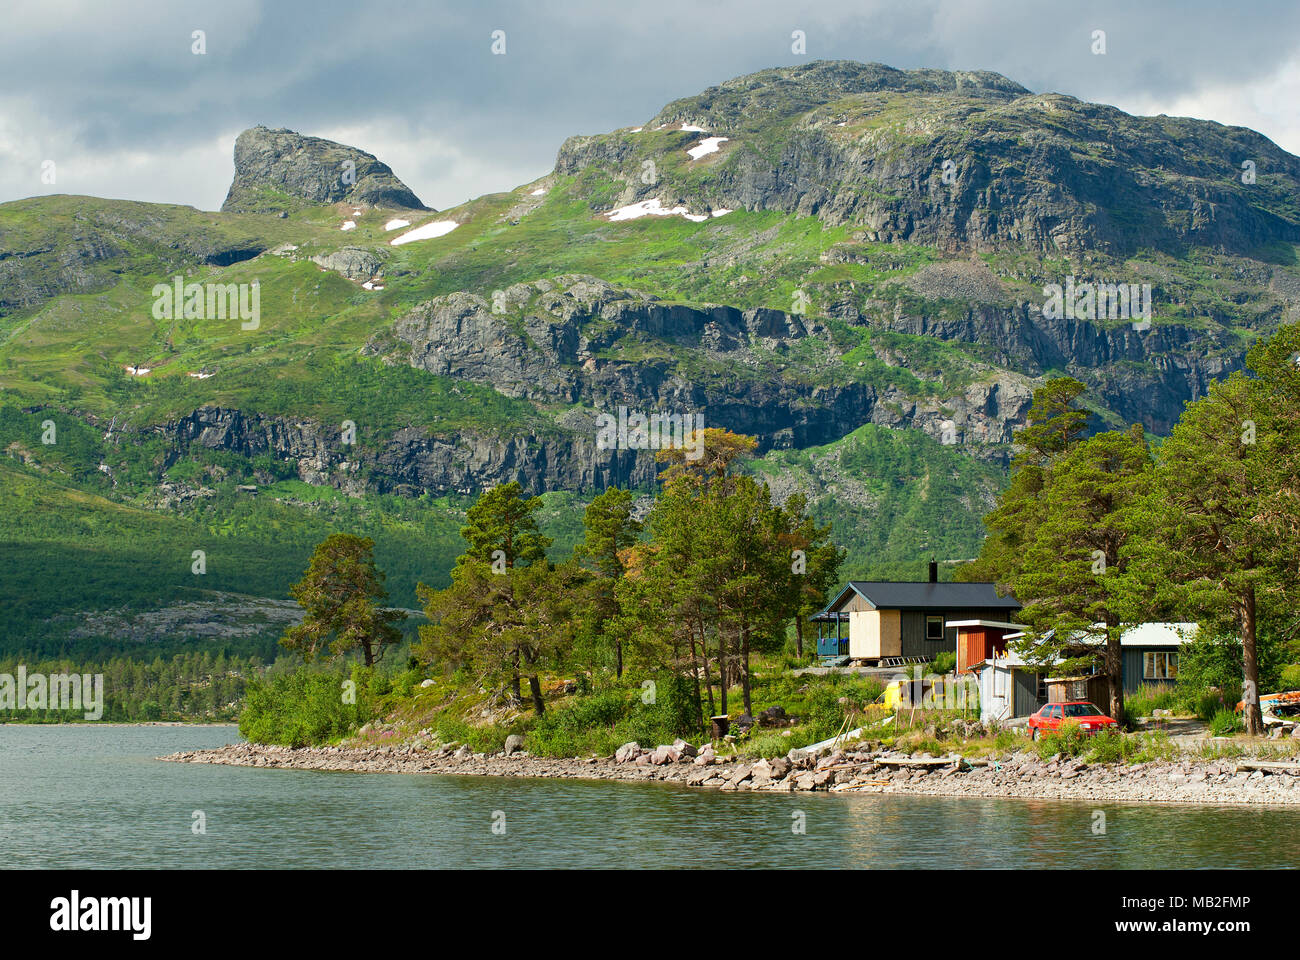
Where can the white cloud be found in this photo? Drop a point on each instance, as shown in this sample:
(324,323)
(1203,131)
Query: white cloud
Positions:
(113,95)
(197,174)
(443,174)
(1265,105)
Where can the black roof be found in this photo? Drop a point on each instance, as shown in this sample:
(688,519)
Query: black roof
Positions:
(894,595)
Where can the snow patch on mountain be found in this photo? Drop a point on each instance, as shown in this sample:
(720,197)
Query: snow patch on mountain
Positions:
(427,231)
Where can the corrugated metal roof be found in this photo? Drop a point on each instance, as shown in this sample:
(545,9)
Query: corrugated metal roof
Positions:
(1138,635)
(1158,635)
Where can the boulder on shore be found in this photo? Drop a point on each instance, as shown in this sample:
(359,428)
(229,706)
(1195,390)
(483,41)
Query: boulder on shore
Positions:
(628,752)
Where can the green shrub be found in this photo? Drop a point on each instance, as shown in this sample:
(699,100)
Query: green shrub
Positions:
(1290,677)
(1005,740)
(588,725)
(944,662)
(489,739)
(304,708)
(1150,697)
(1225,723)
(1154,746)
(1068,740)
(600,723)
(1111,746)
(824,714)
(1211,702)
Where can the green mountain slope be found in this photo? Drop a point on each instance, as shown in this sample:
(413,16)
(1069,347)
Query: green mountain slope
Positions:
(845,260)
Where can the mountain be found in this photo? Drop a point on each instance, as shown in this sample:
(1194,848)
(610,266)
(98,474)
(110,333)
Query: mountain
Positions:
(865,145)
(846,260)
(278,170)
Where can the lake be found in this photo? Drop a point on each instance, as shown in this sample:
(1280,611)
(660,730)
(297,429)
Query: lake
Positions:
(90,796)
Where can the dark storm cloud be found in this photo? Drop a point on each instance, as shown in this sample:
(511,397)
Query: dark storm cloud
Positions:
(116,95)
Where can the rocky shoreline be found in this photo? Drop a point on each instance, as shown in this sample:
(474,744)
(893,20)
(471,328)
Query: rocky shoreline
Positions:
(1018,775)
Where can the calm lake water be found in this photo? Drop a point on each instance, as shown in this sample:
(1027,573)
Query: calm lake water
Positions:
(94,796)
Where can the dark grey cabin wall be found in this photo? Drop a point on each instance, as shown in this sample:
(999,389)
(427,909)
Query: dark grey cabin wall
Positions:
(1132,659)
(911,628)
(1134,667)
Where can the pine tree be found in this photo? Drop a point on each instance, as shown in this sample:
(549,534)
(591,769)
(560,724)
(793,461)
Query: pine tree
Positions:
(1222,467)
(609,530)
(1074,578)
(501,528)
(342,595)
(1053,427)
(501,531)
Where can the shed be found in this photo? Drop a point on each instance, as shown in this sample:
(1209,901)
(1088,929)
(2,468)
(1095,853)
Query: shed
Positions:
(979,640)
(1009,688)
(1092,687)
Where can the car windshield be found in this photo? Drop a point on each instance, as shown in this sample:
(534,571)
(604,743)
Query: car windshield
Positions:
(1081,710)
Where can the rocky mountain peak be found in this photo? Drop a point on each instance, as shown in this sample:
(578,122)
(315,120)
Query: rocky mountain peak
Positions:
(757,99)
(960,160)
(279,170)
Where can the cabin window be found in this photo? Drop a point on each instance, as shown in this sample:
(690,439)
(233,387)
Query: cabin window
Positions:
(1160,665)
(934,628)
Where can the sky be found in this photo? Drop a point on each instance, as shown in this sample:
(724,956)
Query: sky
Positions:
(111,99)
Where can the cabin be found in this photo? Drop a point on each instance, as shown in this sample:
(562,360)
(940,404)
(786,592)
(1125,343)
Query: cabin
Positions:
(1151,652)
(1149,655)
(890,623)
(1010,687)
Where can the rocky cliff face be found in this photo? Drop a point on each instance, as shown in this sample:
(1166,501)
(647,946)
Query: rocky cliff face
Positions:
(778,375)
(581,340)
(411,461)
(51,246)
(274,168)
(1142,376)
(956,160)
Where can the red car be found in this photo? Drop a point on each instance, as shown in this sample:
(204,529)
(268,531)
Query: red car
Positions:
(1051,716)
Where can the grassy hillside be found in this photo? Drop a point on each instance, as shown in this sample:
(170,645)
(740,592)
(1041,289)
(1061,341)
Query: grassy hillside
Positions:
(824,199)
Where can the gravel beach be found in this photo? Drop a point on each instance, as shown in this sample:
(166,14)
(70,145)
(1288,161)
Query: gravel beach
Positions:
(1022,775)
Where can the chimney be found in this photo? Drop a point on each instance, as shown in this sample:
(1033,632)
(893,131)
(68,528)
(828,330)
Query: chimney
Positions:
(934,571)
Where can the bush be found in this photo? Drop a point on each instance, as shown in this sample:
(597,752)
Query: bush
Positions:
(824,716)
(1068,740)
(1290,677)
(1215,663)
(600,723)
(944,662)
(1152,696)
(304,708)
(1154,746)
(1225,723)
(1211,702)
(489,739)
(584,726)
(1111,746)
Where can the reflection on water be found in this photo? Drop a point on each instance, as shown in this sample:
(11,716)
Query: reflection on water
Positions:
(93,796)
